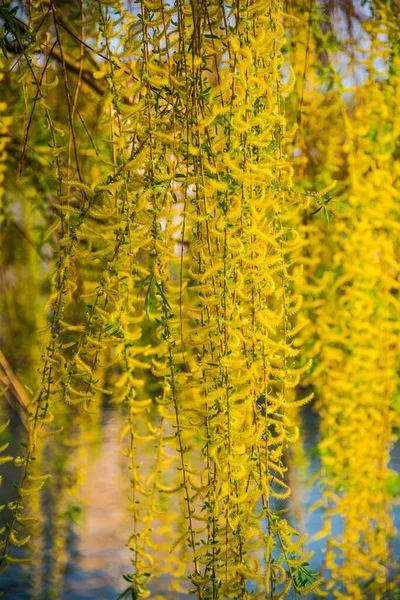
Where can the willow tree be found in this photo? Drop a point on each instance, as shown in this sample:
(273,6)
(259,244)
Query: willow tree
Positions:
(151,150)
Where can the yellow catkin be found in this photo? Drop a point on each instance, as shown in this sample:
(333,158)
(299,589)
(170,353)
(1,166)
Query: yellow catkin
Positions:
(350,289)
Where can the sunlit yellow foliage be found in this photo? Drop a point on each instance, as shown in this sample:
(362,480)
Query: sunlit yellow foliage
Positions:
(178,159)
(351,286)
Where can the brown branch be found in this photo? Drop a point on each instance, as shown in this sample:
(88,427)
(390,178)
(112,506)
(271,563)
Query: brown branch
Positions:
(87,76)
(67,95)
(18,399)
(38,94)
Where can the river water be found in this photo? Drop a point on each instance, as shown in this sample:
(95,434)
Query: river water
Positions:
(91,549)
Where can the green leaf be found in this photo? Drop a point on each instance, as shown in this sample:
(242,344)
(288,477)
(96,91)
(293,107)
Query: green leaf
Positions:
(125,594)
(161,293)
(316,211)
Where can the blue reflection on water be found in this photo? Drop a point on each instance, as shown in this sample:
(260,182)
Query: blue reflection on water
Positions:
(94,571)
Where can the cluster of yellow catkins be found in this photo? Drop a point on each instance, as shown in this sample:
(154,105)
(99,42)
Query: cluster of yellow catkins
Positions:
(350,286)
(193,288)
